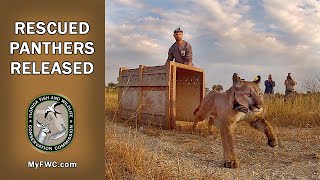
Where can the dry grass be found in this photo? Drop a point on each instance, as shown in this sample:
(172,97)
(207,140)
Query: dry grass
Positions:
(111,104)
(128,157)
(300,111)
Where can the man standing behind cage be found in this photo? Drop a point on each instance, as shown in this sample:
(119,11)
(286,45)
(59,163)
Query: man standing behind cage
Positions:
(269,84)
(181,50)
(289,83)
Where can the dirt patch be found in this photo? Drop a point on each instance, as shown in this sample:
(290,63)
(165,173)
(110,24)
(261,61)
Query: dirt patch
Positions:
(187,155)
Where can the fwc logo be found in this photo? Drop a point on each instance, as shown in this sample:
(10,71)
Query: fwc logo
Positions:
(50,122)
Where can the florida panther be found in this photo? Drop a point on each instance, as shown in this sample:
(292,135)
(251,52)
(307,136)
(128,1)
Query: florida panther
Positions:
(243,101)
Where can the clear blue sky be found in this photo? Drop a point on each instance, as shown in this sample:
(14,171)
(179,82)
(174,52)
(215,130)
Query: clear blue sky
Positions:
(249,37)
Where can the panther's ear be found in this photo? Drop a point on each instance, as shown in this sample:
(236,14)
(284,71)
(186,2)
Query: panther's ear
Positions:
(237,82)
(257,80)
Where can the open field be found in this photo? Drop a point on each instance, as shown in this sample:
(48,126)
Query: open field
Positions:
(145,152)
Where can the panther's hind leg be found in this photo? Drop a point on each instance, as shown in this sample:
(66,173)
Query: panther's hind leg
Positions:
(211,123)
(198,116)
(264,126)
(196,120)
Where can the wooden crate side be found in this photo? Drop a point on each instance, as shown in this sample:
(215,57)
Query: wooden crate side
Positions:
(129,102)
(202,87)
(173,97)
(139,111)
(154,100)
(168,96)
(120,92)
(155,69)
(128,114)
(153,109)
(127,72)
(151,76)
(153,119)
(154,76)
(129,77)
(186,67)
(154,79)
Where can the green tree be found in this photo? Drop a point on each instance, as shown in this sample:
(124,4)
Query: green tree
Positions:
(112,85)
(217,87)
(207,90)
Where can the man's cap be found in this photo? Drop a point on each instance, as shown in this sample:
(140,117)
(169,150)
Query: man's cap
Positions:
(178,29)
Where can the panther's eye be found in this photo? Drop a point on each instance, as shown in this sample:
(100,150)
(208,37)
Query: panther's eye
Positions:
(260,94)
(248,94)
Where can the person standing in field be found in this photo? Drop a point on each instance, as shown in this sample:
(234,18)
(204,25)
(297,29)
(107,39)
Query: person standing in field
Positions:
(181,50)
(289,83)
(269,84)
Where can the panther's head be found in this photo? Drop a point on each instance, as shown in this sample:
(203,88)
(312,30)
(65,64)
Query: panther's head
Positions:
(248,93)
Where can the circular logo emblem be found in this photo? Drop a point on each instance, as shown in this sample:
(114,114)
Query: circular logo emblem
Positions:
(50,123)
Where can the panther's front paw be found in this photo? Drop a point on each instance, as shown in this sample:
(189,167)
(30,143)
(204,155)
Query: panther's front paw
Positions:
(231,164)
(273,142)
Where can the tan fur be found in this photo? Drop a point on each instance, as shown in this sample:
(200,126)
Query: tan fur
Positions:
(220,108)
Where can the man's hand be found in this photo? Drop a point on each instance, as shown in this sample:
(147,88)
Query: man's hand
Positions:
(188,63)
